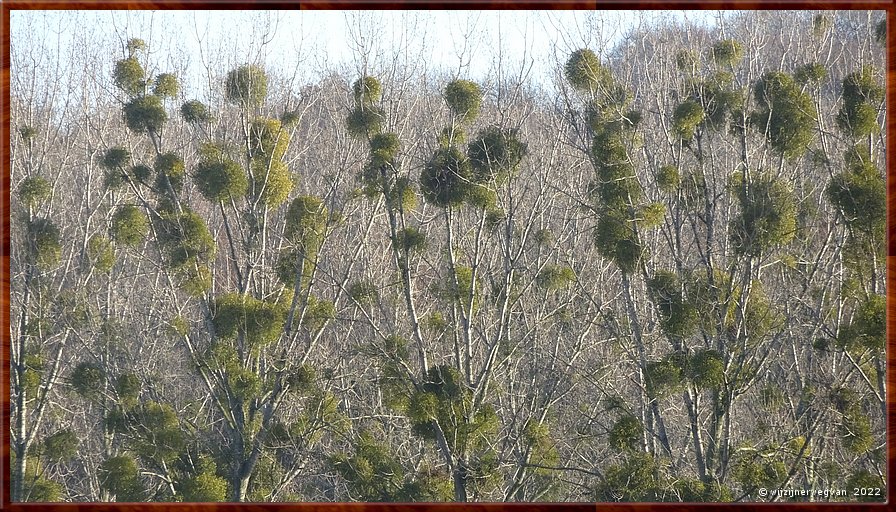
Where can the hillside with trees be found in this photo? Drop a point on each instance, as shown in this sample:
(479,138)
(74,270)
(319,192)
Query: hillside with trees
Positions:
(659,278)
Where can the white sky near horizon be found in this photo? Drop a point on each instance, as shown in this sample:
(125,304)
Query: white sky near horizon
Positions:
(308,44)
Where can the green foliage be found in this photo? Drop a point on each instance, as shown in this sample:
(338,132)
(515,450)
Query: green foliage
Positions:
(135,45)
(584,71)
(221,354)
(141,172)
(368,90)
(859,193)
(375,176)
(185,239)
(691,490)
(664,377)
(767,217)
(461,290)
(384,148)
(60,446)
(727,53)
(428,485)
(187,246)
(617,183)
(115,158)
(863,479)
(145,114)
(495,154)
(219,181)
(268,140)
(867,329)
(706,369)
(290,119)
(166,86)
(464,98)
(196,281)
(435,322)
(244,384)
(543,237)
(410,240)
(446,400)
(170,167)
(686,60)
(371,471)
(292,264)
(180,326)
(113,180)
(812,73)
(761,316)
(495,217)
(322,410)
(33,190)
(267,475)
(422,411)
(555,277)
(396,346)
(259,321)
(756,470)
(862,96)
(37,488)
(119,476)
(205,487)
(128,387)
(651,215)
(129,76)
(317,313)
(719,98)
(445,177)
(633,480)
(88,379)
(195,111)
(157,432)
(247,86)
(668,178)
(616,240)
(678,317)
(821,23)
(880,32)
(538,438)
(845,400)
(100,253)
(27,133)
(693,190)
(302,378)
(687,116)
(480,196)
(365,121)
(625,435)
(72,307)
(401,195)
(374,474)
(306,224)
(397,388)
(786,114)
(34,365)
(271,184)
(44,243)
(452,136)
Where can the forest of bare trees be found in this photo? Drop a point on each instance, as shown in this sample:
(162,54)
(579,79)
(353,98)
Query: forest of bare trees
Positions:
(659,277)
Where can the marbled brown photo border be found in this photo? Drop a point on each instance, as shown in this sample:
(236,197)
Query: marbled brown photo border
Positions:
(7,5)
